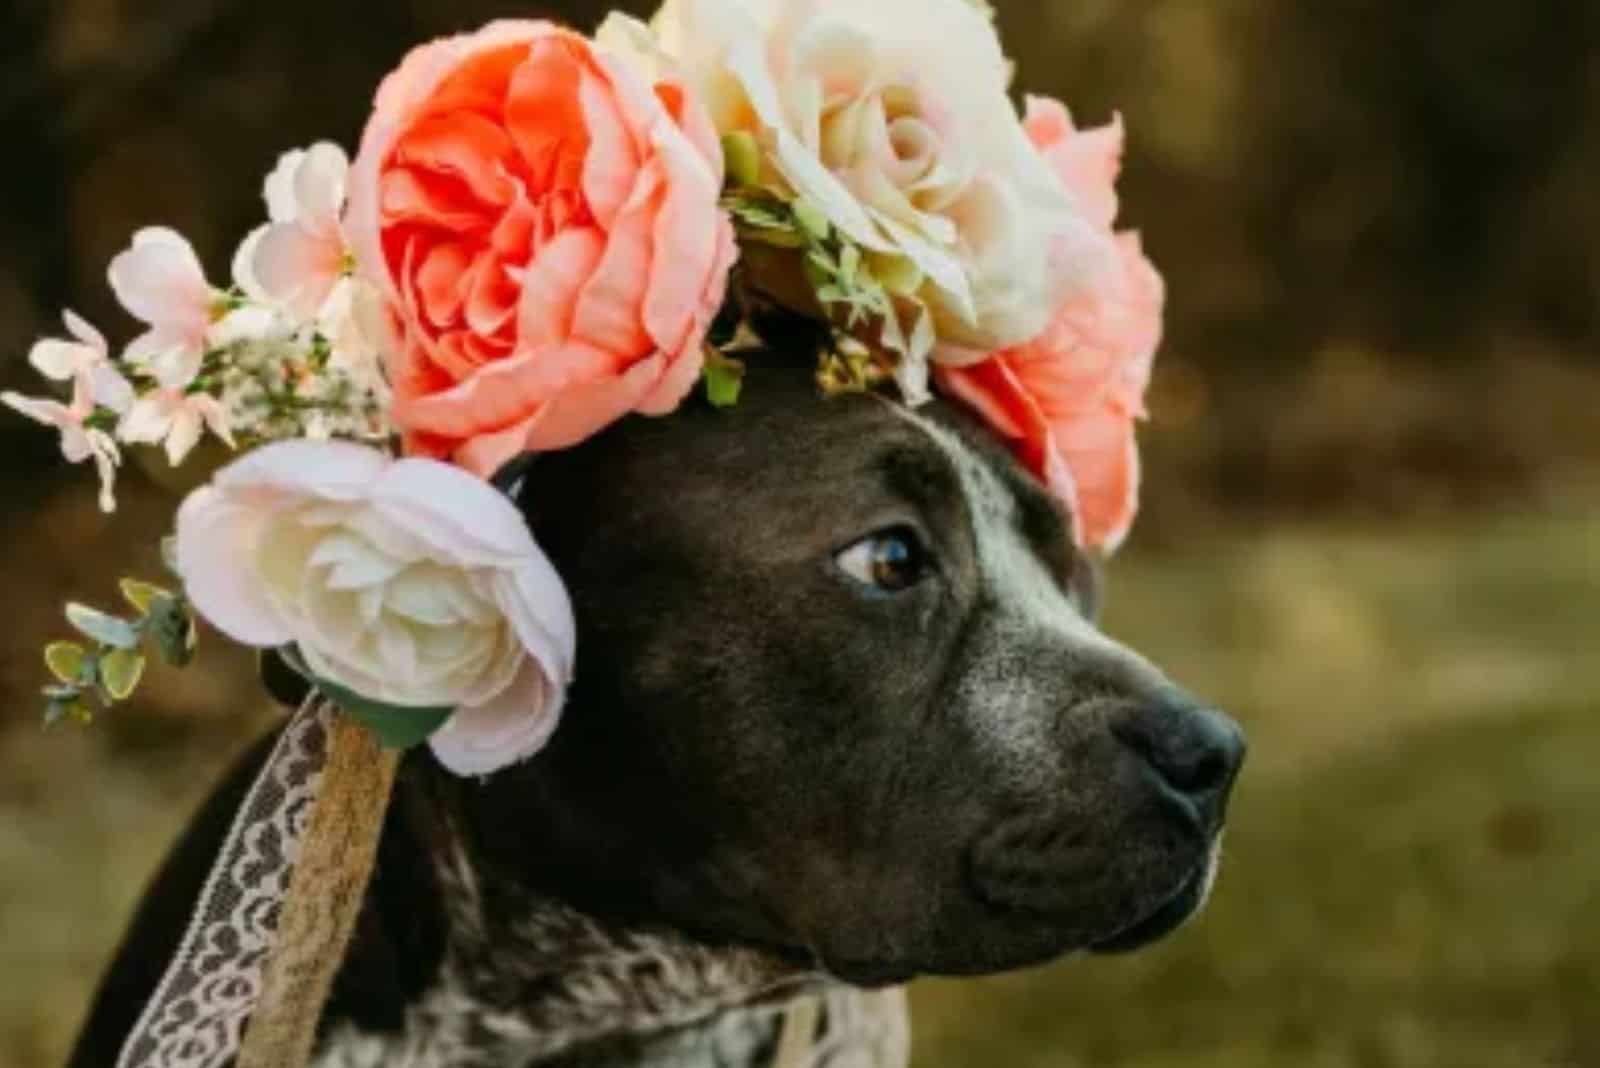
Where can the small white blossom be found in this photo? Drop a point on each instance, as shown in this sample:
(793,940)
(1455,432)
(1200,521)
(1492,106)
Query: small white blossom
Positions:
(298,259)
(175,419)
(79,441)
(85,358)
(159,280)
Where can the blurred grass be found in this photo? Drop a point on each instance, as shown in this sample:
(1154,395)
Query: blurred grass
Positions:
(1413,876)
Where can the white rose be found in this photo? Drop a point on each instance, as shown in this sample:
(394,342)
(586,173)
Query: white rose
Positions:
(893,118)
(410,582)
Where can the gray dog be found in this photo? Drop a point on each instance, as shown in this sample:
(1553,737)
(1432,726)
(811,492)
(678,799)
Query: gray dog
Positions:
(841,719)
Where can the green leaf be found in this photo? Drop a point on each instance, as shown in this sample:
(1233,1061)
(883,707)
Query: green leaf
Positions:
(724,379)
(774,237)
(742,157)
(61,708)
(120,672)
(898,275)
(811,219)
(65,660)
(107,630)
(849,264)
(397,726)
(171,627)
(140,594)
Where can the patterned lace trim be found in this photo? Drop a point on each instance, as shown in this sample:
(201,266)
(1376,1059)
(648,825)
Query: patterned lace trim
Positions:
(198,1013)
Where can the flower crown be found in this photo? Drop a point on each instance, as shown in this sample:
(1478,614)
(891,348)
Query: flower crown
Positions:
(541,234)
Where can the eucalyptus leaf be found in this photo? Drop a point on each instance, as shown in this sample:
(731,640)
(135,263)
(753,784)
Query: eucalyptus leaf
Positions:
(107,630)
(171,628)
(120,672)
(61,708)
(141,594)
(65,660)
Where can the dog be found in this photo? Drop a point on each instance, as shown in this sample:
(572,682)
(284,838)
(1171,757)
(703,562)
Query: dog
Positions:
(842,718)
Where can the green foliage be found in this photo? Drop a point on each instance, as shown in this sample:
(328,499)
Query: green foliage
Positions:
(108,666)
(743,159)
(171,626)
(763,218)
(397,726)
(856,292)
(101,628)
(140,594)
(120,672)
(65,660)
(724,379)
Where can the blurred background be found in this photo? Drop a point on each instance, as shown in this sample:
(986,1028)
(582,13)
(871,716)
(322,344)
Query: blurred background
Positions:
(1371,530)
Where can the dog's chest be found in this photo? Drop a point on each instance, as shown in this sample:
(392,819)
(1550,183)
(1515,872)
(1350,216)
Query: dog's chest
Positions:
(840,1028)
(530,983)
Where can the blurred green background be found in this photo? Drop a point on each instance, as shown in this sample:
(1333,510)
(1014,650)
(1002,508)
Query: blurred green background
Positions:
(1372,523)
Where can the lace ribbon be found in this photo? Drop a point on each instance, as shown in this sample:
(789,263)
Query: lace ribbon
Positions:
(198,1013)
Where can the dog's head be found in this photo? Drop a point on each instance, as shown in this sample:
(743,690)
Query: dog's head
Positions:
(840,695)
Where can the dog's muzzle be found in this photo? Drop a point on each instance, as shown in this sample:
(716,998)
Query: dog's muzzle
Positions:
(1147,863)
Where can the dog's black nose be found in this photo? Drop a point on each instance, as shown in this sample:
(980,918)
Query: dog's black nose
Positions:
(1196,751)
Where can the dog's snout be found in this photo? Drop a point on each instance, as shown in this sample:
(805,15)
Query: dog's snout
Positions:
(1196,751)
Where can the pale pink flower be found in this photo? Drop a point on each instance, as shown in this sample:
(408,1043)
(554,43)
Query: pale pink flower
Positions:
(159,280)
(175,419)
(408,582)
(78,441)
(298,259)
(1068,400)
(86,358)
(894,119)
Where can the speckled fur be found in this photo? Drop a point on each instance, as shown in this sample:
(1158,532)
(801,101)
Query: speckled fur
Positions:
(529,981)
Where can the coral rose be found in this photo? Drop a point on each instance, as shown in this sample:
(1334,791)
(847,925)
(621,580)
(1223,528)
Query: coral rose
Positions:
(544,226)
(1070,398)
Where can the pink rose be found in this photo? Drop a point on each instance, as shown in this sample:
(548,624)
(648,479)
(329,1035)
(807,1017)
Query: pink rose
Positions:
(1068,400)
(543,225)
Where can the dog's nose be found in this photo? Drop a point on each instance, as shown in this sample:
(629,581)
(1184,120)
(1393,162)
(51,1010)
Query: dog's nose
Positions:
(1196,751)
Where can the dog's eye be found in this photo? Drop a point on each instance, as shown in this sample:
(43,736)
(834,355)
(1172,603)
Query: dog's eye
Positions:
(890,560)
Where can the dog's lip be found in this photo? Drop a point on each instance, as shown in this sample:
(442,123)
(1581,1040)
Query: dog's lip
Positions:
(1167,917)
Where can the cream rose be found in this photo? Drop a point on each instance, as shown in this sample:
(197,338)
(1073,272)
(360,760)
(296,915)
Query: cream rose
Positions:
(893,118)
(411,583)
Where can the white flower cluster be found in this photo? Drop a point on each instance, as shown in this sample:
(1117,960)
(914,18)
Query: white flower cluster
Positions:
(289,351)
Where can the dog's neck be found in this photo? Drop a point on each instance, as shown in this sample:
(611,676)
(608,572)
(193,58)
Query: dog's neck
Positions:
(557,979)
(526,979)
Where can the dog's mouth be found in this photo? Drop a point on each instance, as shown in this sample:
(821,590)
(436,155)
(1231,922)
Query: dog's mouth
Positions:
(1186,901)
